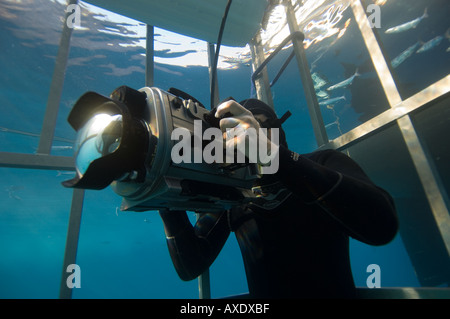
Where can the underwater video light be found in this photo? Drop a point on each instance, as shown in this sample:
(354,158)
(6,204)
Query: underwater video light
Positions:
(125,141)
(112,139)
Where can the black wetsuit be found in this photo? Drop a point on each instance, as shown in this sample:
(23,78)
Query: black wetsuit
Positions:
(300,248)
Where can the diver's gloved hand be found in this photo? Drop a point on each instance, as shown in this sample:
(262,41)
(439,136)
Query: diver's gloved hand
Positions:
(236,128)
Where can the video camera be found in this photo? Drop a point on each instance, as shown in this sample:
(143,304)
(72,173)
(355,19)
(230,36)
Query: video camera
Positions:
(125,141)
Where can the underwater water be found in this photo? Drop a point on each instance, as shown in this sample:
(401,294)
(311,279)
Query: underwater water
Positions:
(124,254)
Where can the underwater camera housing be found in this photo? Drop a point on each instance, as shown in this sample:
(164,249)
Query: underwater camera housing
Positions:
(125,141)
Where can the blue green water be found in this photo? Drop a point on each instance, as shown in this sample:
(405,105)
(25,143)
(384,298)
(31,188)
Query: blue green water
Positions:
(124,255)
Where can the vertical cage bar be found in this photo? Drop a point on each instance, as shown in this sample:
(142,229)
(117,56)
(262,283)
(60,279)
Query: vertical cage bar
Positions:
(262,84)
(73,232)
(305,75)
(56,87)
(204,284)
(429,181)
(149,56)
(376,54)
(211,53)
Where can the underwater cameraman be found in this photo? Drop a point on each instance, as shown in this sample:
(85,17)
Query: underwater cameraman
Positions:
(297,246)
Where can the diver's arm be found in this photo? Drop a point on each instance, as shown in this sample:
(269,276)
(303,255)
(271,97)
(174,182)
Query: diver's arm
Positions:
(336,183)
(194,248)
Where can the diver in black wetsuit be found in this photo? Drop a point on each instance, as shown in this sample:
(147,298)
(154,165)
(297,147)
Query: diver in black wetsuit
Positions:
(300,246)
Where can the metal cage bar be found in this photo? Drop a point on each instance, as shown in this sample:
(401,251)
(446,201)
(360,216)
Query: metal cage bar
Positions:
(418,153)
(211,52)
(73,234)
(306,79)
(56,87)
(262,85)
(150,56)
